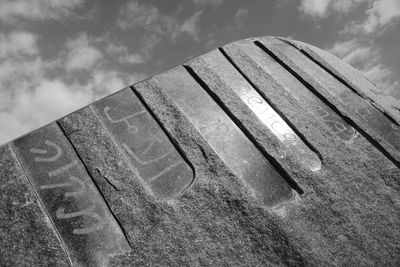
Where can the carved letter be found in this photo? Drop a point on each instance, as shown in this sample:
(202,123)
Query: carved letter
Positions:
(140,161)
(44,151)
(131,128)
(87,212)
(81,190)
(63,169)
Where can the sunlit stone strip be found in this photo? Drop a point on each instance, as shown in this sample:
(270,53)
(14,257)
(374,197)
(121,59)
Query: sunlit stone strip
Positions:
(222,134)
(337,126)
(363,110)
(220,65)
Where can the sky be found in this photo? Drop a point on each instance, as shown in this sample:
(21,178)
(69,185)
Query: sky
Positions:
(57,56)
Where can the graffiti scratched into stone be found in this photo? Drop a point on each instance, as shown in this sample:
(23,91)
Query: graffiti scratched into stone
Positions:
(262,109)
(77,210)
(365,111)
(151,153)
(227,140)
(316,106)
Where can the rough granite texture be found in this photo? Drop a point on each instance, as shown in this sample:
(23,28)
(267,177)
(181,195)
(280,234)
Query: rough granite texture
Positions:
(352,77)
(26,234)
(346,214)
(322,83)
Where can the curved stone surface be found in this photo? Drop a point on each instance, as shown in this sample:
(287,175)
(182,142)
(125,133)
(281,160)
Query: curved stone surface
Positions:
(370,121)
(151,153)
(224,137)
(217,63)
(264,152)
(352,78)
(26,234)
(75,207)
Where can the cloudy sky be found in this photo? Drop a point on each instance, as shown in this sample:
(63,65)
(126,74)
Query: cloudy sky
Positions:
(59,55)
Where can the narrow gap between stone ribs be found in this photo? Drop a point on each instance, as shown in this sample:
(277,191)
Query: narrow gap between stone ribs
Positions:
(337,77)
(277,110)
(171,139)
(329,104)
(43,208)
(238,123)
(95,184)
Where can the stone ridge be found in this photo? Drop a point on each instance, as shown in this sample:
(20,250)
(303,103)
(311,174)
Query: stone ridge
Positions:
(264,152)
(351,78)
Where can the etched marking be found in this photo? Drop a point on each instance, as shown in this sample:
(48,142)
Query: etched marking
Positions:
(149,150)
(233,147)
(266,114)
(63,168)
(52,186)
(317,107)
(131,128)
(44,151)
(86,212)
(144,162)
(90,232)
(368,113)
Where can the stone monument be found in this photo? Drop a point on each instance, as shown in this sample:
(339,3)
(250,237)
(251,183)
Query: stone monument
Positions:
(264,152)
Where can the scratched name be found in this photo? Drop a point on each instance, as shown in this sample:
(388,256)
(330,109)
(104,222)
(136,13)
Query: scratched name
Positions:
(337,126)
(76,208)
(265,113)
(151,154)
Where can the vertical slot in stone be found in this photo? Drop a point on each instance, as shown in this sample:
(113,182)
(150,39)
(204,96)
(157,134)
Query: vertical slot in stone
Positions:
(272,68)
(258,105)
(363,110)
(70,197)
(148,148)
(227,140)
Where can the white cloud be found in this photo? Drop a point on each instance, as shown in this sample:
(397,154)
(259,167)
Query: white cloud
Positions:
(105,82)
(190,26)
(19,63)
(354,53)
(134,15)
(315,8)
(29,98)
(12,10)
(152,27)
(113,48)
(345,6)
(240,16)
(45,103)
(51,99)
(240,13)
(381,14)
(121,52)
(81,55)
(201,3)
(367,59)
(320,9)
(360,50)
(131,59)
(17,43)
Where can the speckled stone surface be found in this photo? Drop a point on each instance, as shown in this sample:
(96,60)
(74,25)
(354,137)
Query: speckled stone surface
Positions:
(330,199)
(26,234)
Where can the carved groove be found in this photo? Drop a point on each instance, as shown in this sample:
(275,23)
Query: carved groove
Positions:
(329,104)
(145,144)
(42,206)
(95,184)
(340,79)
(170,138)
(240,125)
(276,109)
